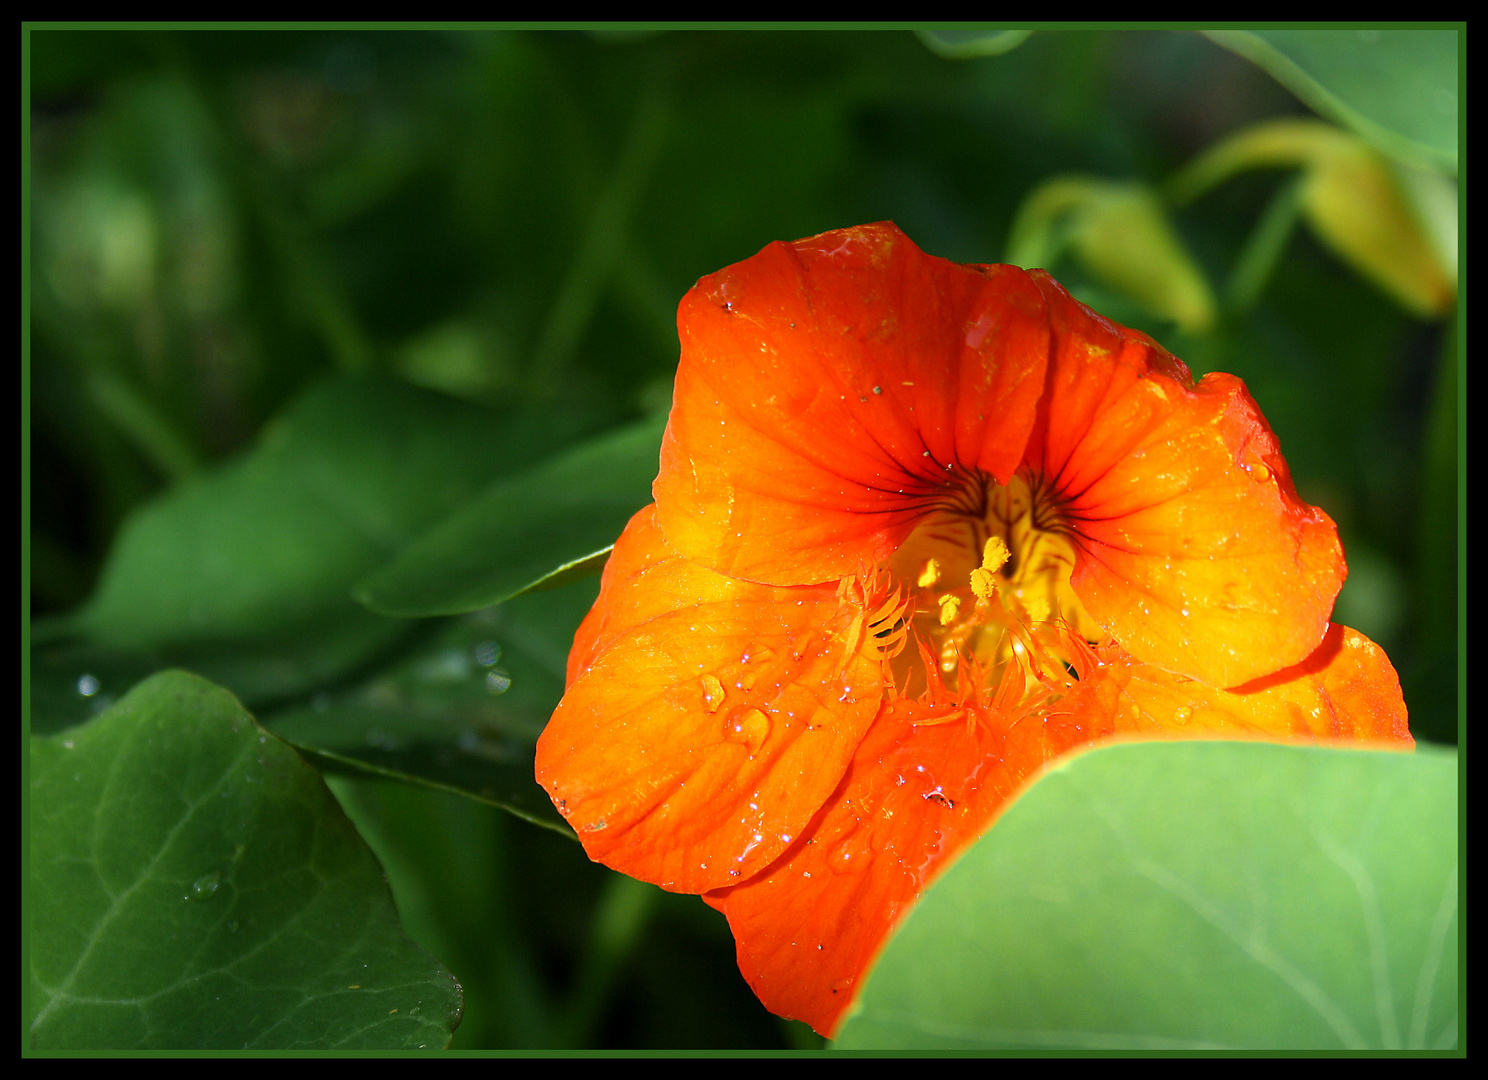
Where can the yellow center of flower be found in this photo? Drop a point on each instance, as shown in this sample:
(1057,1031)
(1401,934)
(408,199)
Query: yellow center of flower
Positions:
(988,573)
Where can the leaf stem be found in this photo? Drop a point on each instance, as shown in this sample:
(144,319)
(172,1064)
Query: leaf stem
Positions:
(1264,247)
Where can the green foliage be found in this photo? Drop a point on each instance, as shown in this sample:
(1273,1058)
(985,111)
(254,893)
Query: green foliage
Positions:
(1191,896)
(461,711)
(539,530)
(342,349)
(245,573)
(1397,88)
(195,886)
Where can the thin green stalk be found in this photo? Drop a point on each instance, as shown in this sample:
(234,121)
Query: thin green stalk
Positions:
(448,865)
(604,240)
(619,921)
(307,280)
(653,304)
(1264,247)
(142,425)
(1432,676)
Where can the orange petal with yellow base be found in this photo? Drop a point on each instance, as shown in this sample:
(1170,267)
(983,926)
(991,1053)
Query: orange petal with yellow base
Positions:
(825,389)
(1346,691)
(1193,548)
(709,717)
(916,795)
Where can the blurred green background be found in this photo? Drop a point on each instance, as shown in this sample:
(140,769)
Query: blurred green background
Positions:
(224,224)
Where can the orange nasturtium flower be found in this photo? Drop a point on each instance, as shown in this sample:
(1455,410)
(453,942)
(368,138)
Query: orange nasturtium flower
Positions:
(919,529)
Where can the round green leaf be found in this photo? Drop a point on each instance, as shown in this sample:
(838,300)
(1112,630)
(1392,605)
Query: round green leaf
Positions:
(1187,896)
(194,885)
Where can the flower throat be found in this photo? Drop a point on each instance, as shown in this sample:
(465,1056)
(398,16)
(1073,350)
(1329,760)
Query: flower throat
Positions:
(988,575)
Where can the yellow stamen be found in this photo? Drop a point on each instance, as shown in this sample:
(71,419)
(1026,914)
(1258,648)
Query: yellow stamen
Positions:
(995,555)
(1001,597)
(949,605)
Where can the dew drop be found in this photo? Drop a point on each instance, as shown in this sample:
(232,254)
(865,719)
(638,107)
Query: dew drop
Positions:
(205,886)
(87,685)
(749,728)
(712,693)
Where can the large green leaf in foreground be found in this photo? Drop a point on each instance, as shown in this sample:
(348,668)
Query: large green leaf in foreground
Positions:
(1191,895)
(196,886)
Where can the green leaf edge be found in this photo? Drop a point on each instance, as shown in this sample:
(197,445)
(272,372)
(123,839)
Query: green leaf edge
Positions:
(1444,753)
(1321,100)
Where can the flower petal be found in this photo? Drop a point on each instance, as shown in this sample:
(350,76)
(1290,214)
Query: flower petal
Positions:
(810,925)
(1345,691)
(917,792)
(707,719)
(1195,551)
(825,389)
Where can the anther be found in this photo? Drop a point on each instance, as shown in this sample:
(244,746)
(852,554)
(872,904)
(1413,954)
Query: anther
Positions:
(995,555)
(930,575)
(949,605)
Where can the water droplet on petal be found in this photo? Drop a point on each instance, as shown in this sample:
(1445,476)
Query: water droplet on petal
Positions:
(712,693)
(750,727)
